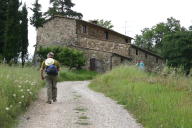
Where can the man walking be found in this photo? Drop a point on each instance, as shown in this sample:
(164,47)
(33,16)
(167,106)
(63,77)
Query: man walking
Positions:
(49,71)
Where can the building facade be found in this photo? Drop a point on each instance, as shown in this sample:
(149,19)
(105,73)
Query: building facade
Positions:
(103,48)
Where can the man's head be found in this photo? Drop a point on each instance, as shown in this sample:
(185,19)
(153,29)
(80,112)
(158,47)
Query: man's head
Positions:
(50,55)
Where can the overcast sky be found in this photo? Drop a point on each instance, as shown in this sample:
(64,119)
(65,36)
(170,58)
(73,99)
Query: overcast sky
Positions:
(128,16)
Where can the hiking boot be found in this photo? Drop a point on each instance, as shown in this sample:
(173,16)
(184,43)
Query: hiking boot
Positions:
(49,102)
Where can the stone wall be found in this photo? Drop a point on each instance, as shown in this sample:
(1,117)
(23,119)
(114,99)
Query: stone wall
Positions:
(151,61)
(105,46)
(57,31)
(103,59)
(97,32)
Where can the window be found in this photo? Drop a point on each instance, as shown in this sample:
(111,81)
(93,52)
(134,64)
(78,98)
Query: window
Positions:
(126,40)
(106,35)
(129,51)
(122,59)
(136,51)
(157,60)
(84,29)
(145,56)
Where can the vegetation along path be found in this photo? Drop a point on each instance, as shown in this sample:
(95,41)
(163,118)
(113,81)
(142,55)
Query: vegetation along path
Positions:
(77,107)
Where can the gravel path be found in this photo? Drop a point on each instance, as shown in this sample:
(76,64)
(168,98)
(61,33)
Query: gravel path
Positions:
(77,107)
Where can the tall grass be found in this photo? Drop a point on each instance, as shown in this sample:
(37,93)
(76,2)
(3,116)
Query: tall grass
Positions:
(156,101)
(18,87)
(76,75)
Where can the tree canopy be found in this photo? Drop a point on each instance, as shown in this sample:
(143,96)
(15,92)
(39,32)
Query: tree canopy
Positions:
(12,30)
(24,34)
(177,49)
(104,23)
(152,38)
(37,19)
(63,8)
(3,10)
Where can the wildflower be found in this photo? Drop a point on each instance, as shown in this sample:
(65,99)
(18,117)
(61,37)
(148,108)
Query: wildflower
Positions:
(20,102)
(14,95)
(7,76)
(28,90)
(33,83)
(16,81)
(19,86)
(22,96)
(21,90)
(11,106)
(30,93)
(7,108)
(27,81)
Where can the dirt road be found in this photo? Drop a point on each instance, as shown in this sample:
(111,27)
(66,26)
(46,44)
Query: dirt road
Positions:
(77,107)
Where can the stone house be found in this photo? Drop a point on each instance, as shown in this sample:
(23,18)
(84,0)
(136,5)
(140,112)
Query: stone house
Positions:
(103,48)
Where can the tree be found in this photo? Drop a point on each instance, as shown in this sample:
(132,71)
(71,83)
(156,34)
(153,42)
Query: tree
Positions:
(152,38)
(190,28)
(11,46)
(145,40)
(24,34)
(63,8)
(177,50)
(37,19)
(3,9)
(107,24)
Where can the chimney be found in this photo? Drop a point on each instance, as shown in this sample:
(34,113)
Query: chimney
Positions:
(94,21)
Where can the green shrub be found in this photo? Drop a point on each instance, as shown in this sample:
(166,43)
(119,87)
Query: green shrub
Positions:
(66,56)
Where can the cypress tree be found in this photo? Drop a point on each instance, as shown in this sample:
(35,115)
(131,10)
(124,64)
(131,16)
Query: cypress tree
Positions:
(37,19)
(24,34)
(12,31)
(3,9)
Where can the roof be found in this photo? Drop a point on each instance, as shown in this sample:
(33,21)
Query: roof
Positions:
(146,51)
(88,23)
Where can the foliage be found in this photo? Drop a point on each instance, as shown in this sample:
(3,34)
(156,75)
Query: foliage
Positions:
(157,101)
(107,24)
(145,40)
(177,50)
(63,8)
(152,38)
(18,88)
(76,75)
(37,19)
(24,34)
(11,46)
(66,56)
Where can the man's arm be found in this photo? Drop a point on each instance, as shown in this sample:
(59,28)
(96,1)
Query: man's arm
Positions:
(42,77)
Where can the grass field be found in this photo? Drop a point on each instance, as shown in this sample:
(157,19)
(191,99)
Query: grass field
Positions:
(76,75)
(18,87)
(156,101)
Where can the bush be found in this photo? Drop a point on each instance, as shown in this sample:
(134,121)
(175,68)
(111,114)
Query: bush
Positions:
(66,56)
